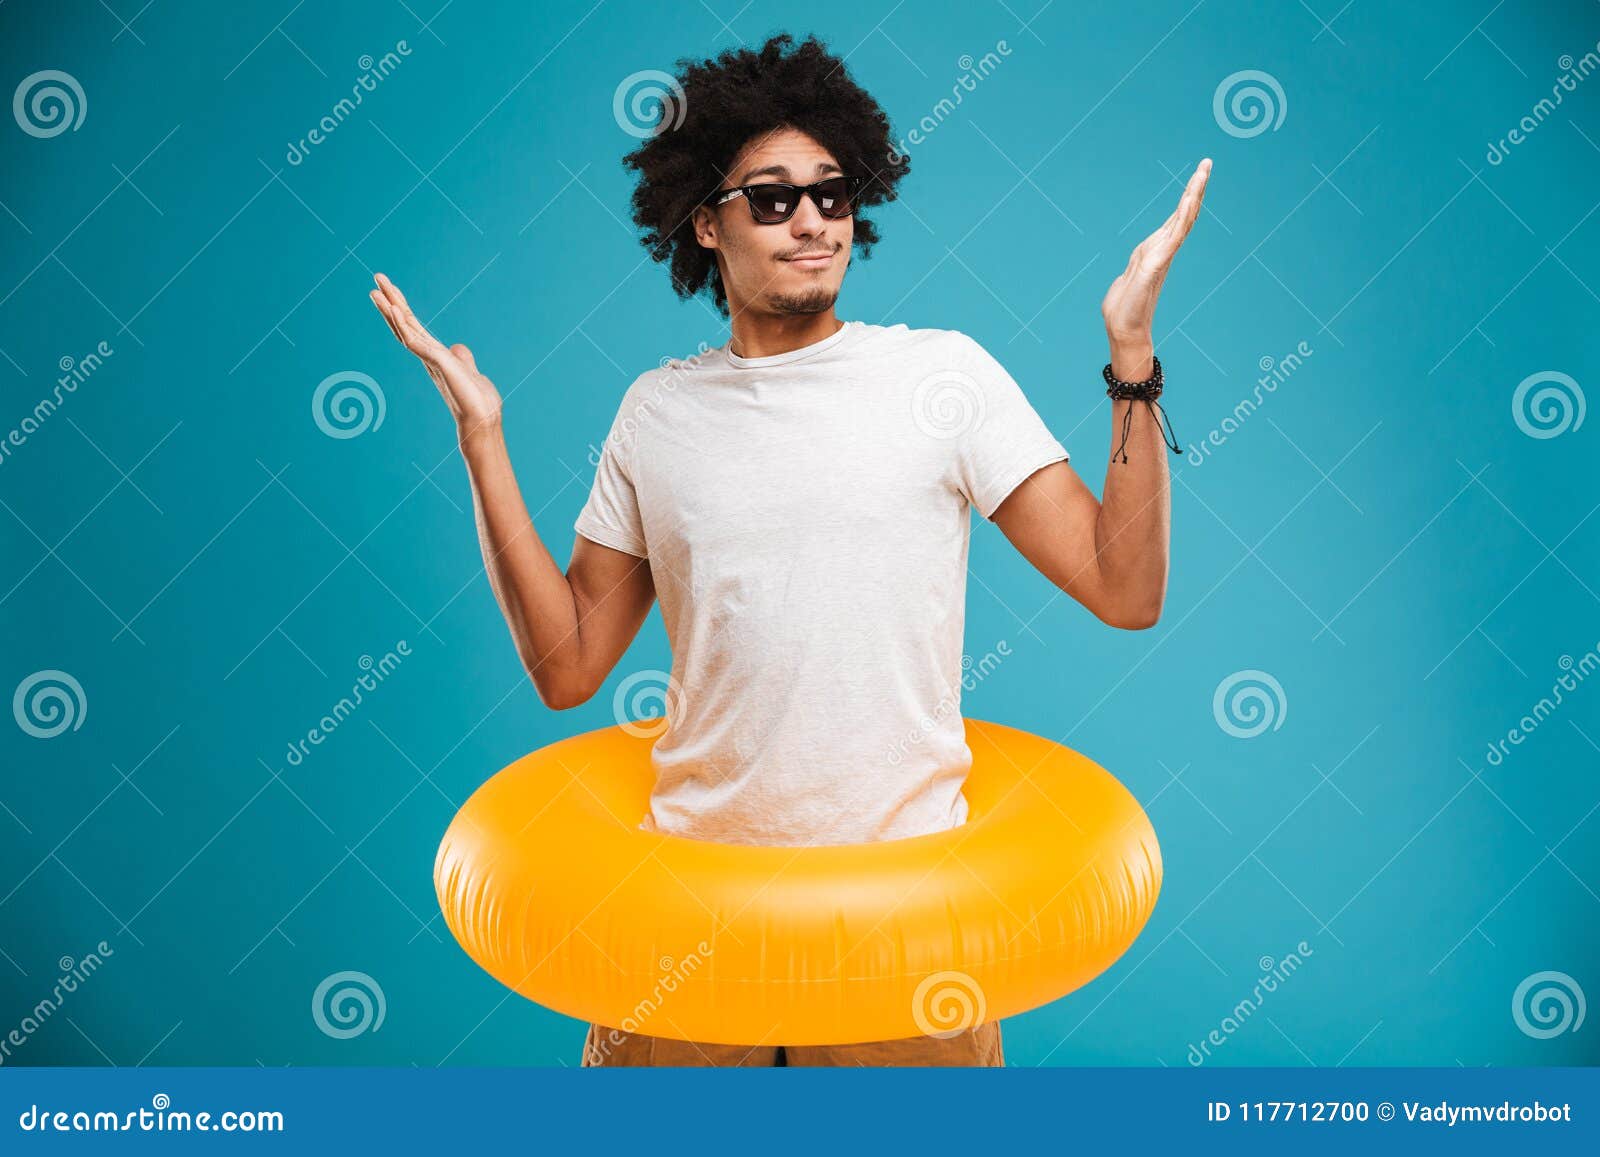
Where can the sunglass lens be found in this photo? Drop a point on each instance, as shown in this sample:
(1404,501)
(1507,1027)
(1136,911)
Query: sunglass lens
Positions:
(833,197)
(771,203)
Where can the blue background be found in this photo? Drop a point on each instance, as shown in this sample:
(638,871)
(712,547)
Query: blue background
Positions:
(1381,536)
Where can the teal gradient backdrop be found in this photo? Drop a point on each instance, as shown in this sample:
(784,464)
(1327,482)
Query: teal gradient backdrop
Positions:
(1382,535)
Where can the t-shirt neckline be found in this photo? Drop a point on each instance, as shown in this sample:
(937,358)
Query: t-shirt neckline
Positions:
(793,355)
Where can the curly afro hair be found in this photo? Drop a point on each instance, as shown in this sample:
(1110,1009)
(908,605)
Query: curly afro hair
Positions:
(722,105)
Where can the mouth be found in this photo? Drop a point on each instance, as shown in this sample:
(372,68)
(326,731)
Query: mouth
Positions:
(811,260)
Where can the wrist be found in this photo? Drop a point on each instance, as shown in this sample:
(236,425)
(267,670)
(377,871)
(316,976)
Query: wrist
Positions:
(1131,358)
(477,433)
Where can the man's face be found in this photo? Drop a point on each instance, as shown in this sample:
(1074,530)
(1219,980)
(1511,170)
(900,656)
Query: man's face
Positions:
(765,268)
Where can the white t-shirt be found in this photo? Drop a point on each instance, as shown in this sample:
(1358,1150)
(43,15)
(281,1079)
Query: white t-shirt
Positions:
(805,517)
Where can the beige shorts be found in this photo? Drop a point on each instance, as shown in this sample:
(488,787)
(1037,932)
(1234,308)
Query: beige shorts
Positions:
(978,1047)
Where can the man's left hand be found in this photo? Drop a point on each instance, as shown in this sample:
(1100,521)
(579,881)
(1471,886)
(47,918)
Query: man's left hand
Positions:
(1130,304)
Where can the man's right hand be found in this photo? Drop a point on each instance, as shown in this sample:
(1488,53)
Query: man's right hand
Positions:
(472,398)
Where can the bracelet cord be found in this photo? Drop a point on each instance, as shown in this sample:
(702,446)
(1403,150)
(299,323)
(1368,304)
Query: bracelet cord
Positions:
(1147,392)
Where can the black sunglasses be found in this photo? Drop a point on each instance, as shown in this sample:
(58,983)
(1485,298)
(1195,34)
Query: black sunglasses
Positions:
(775,202)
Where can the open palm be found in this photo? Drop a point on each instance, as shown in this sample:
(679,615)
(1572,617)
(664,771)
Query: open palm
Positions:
(1130,304)
(472,398)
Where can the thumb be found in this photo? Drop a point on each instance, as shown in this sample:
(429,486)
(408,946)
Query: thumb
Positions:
(465,355)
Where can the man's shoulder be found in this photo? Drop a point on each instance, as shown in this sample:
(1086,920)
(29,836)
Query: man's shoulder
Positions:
(668,373)
(645,397)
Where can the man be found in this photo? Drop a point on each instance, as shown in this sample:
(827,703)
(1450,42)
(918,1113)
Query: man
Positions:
(798,499)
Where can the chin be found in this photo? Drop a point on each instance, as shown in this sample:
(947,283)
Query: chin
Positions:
(814,299)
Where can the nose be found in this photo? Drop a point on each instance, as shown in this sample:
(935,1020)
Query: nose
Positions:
(808,220)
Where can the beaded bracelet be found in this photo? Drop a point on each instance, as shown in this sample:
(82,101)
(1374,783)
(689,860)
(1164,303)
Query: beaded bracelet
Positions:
(1147,392)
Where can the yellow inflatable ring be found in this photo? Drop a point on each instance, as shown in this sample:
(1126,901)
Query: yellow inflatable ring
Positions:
(548,884)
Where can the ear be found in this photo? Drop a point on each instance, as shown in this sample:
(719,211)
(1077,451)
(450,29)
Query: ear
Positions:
(705,228)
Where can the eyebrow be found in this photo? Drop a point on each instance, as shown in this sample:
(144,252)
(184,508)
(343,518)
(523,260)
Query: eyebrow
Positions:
(782,171)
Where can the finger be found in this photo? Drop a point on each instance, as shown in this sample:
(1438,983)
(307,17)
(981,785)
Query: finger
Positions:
(391,290)
(1164,230)
(388,316)
(383,308)
(405,331)
(1205,181)
(1183,214)
(413,333)
(1191,195)
(1171,217)
(1164,243)
(393,301)
(1152,248)
(404,317)
(1196,191)
(1183,218)
(465,355)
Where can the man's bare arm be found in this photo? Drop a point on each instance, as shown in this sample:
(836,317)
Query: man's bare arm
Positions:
(1113,556)
(570,629)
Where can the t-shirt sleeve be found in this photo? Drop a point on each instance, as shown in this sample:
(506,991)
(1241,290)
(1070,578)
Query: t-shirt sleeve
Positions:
(611,515)
(1005,439)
